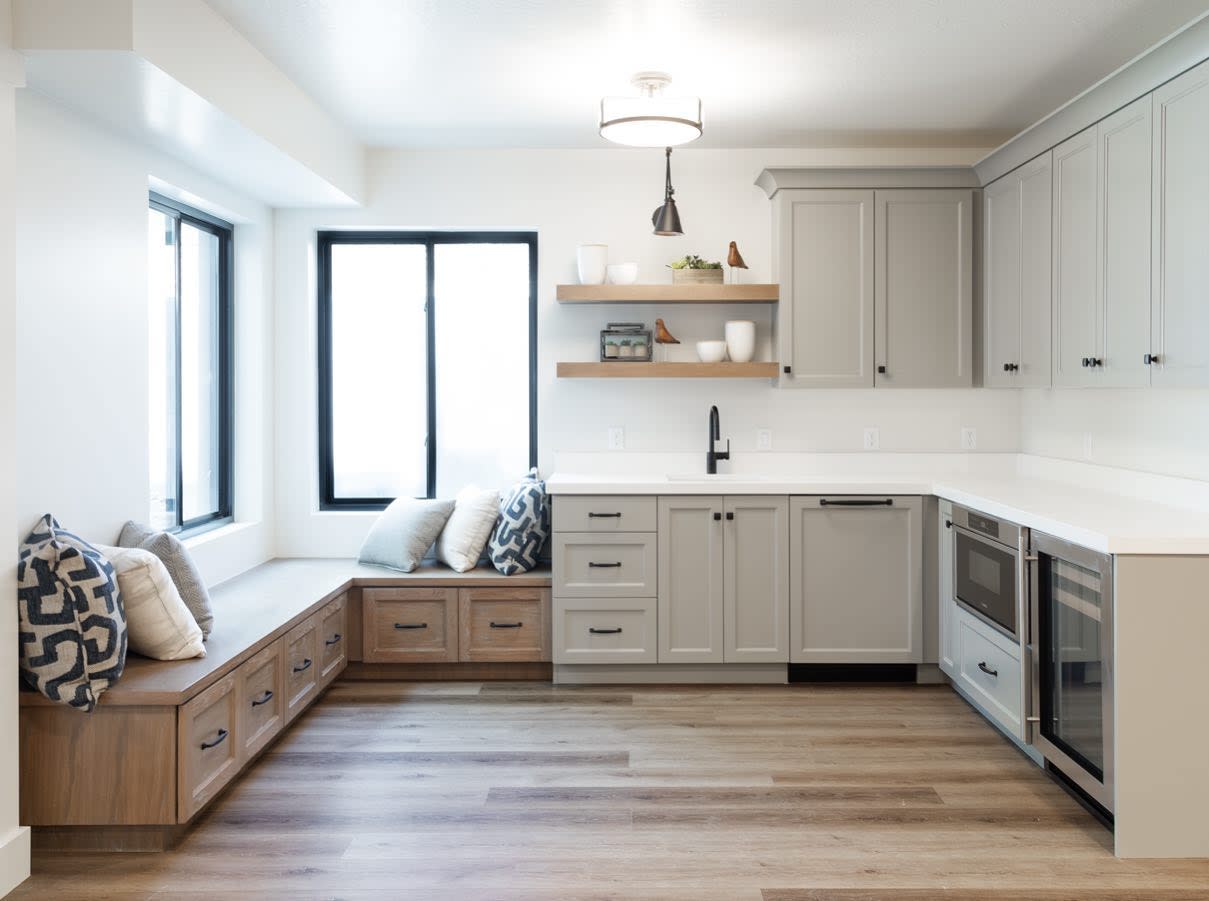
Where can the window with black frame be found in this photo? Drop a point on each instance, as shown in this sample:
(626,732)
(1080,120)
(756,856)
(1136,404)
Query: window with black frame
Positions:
(427,363)
(190,362)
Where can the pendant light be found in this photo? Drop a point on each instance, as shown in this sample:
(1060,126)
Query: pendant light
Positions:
(650,119)
(666,219)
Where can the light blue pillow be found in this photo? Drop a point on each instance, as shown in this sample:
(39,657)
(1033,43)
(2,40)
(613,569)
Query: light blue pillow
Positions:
(404,533)
(523,527)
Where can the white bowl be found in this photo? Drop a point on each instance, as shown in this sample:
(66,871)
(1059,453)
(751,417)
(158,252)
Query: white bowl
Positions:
(711,351)
(622,273)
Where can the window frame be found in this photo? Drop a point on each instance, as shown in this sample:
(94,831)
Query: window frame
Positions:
(225,233)
(429,239)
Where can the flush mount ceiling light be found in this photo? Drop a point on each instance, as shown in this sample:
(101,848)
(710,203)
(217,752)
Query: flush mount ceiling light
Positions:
(650,119)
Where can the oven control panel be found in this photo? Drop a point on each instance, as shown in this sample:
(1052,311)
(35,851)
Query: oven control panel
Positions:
(984,524)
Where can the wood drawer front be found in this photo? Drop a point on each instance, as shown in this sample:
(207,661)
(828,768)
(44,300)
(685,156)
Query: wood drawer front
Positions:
(1000,695)
(333,640)
(605,631)
(604,566)
(410,625)
(301,666)
(604,514)
(208,746)
(261,698)
(504,624)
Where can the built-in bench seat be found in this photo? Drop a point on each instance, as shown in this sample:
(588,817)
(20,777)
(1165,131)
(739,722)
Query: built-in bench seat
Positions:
(170,735)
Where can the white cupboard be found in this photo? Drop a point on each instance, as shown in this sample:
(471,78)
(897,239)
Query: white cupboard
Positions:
(1074,261)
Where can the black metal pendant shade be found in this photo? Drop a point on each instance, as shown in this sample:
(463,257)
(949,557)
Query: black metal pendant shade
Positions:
(666,218)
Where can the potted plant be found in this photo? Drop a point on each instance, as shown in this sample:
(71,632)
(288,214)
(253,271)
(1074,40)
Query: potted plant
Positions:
(692,270)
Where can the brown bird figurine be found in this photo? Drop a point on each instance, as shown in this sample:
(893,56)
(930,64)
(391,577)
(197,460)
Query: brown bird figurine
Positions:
(662,335)
(734,259)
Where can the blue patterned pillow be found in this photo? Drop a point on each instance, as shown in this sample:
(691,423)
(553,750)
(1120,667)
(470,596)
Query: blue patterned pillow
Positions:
(72,624)
(523,527)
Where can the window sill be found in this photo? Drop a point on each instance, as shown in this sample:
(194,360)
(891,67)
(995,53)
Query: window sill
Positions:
(216,533)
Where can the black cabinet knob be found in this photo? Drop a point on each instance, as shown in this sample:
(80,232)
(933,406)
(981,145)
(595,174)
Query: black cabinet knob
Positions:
(1094,362)
(881,370)
(1086,362)
(788,369)
(1150,359)
(717,517)
(730,516)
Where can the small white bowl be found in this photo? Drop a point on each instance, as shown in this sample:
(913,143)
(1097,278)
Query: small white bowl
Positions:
(622,273)
(711,351)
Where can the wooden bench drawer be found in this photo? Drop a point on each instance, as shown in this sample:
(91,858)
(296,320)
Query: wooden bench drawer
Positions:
(410,625)
(208,746)
(604,514)
(603,566)
(261,698)
(333,638)
(301,666)
(612,630)
(504,624)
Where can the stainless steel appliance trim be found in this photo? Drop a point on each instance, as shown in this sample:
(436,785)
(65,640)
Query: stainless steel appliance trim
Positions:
(1009,532)
(1024,626)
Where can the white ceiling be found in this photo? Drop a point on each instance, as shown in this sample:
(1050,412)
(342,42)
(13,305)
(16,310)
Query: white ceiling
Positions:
(771,73)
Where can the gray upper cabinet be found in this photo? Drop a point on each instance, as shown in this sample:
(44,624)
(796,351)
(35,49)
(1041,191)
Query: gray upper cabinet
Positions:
(856,580)
(756,596)
(1180,237)
(690,595)
(923,278)
(824,261)
(1017,213)
(1074,260)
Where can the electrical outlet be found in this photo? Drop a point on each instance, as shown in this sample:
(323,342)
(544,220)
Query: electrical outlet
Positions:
(969,438)
(616,438)
(872,439)
(1087,446)
(764,439)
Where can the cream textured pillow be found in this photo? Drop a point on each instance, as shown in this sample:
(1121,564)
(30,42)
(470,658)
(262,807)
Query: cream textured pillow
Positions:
(461,542)
(158,623)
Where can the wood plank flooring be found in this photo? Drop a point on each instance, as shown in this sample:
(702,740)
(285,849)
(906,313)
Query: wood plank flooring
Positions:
(395,790)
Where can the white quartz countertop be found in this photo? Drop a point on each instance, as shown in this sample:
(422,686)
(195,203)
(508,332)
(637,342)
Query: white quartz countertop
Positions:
(1061,504)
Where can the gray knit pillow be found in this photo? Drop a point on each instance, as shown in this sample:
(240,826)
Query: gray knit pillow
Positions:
(404,532)
(179,563)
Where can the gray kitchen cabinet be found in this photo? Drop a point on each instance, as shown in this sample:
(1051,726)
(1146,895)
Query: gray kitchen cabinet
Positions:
(923,288)
(947,603)
(690,567)
(1074,260)
(1017,215)
(824,261)
(856,579)
(1180,237)
(756,574)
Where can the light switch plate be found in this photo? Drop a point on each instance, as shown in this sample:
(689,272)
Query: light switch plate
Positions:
(763,439)
(617,438)
(872,439)
(969,438)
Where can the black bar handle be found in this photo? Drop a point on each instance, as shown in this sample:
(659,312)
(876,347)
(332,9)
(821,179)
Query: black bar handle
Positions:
(306,665)
(411,625)
(592,564)
(264,698)
(506,625)
(333,640)
(604,631)
(884,502)
(222,736)
(986,669)
(604,516)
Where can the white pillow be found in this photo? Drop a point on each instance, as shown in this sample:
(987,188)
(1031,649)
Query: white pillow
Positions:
(402,535)
(461,543)
(158,623)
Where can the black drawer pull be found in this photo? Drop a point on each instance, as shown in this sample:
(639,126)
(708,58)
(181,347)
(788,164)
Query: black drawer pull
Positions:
(264,698)
(604,516)
(986,669)
(616,631)
(884,502)
(594,565)
(222,736)
(506,625)
(411,625)
(335,639)
(306,665)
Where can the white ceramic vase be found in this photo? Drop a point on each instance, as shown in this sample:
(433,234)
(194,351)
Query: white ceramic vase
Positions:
(593,260)
(741,340)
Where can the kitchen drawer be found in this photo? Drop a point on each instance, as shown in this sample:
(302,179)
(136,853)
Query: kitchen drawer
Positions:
(605,513)
(504,624)
(261,698)
(208,742)
(604,566)
(333,640)
(999,690)
(301,666)
(410,625)
(613,630)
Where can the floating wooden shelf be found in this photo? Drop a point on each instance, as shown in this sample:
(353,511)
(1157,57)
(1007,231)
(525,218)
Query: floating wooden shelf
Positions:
(668,370)
(668,293)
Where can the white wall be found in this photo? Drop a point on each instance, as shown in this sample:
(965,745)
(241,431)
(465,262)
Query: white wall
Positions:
(608,195)
(1162,431)
(82,362)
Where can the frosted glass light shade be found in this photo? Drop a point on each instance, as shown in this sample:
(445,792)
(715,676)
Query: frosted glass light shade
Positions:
(656,121)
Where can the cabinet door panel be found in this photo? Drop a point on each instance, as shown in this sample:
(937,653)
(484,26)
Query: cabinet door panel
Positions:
(947,605)
(1036,276)
(1074,260)
(924,288)
(757,579)
(1180,287)
(690,596)
(1001,271)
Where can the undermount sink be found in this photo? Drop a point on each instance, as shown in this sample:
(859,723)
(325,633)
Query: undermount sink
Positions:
(716,477)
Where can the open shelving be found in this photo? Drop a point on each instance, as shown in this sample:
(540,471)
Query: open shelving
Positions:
(668,293)
(617,370)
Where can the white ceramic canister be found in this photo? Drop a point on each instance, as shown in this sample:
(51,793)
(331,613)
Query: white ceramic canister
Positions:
(593,260)
(740,340)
